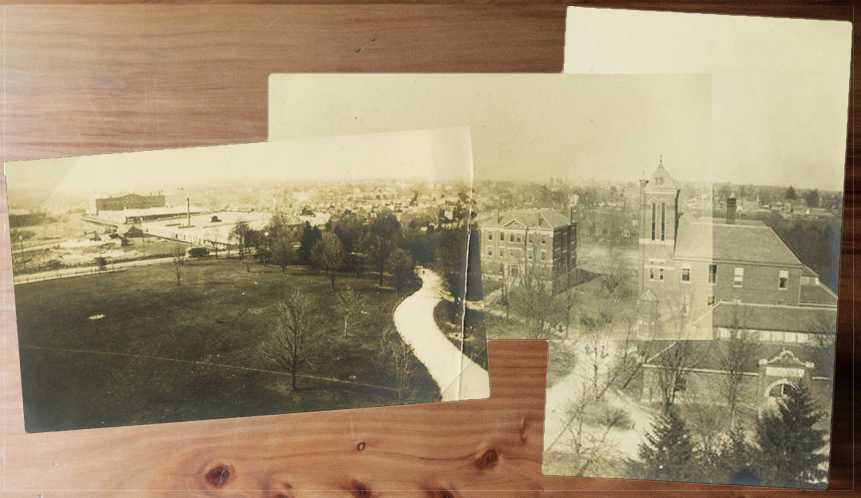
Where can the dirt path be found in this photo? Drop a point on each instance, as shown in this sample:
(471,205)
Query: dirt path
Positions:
(458,377)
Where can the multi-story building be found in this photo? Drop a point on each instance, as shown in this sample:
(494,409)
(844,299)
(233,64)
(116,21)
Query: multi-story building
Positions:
(711,280)
(703,261)
(540,240)
(128,201)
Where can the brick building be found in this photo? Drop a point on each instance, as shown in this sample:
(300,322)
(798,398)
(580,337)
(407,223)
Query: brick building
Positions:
(128,201)
(536,239)
(707,280)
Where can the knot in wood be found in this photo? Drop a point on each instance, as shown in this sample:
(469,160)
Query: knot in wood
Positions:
(361,446)
(488,459)
(218,476)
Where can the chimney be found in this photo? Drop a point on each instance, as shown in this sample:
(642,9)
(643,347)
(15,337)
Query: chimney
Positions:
(539,217)
(571,215)
(188,209)
(496,216)
(730,210)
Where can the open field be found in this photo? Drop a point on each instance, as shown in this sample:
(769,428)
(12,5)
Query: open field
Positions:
(164,352)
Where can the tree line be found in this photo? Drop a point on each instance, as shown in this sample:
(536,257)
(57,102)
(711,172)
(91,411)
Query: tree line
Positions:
(357,245)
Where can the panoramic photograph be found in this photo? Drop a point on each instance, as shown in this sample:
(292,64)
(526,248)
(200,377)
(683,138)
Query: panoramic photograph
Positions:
(244,280)
(688,294)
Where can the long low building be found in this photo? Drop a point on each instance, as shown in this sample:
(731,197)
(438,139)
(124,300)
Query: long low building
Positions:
(138,216)
(211,229)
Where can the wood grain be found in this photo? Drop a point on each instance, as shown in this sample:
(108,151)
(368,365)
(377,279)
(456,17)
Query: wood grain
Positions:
(97,79)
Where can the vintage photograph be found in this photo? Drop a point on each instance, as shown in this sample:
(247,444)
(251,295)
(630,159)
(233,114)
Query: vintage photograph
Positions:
(721,369)
(544,147)
(243,280)
(703,339)
(691,308)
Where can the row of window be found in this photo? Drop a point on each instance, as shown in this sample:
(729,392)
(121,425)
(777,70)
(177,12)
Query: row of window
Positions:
(517,237)
(656,272)
(768,336)
(518,253)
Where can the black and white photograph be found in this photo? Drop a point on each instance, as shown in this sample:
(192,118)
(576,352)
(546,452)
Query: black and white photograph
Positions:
(244,280)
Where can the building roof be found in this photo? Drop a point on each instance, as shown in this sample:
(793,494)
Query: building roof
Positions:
(742,242)
(661,180)
(711,355)
(817,294)
(770,317)
(525,218)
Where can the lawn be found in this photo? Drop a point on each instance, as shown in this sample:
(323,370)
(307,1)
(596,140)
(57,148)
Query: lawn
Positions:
(164,352)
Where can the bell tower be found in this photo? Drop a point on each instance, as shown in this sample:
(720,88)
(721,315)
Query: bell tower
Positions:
(659,216)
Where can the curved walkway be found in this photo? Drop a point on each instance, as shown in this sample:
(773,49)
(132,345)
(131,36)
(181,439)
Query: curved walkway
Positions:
(458,377)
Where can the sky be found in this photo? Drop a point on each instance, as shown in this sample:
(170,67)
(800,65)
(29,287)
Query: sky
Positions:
(437,154)
(524,126)
(781,86)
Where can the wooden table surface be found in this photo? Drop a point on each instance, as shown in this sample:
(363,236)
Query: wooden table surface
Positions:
(95,79)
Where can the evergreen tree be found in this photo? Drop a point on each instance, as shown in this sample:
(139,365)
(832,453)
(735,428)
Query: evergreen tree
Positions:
(306,241)
(735,455)
(790,194)
(788,444)
(667,452)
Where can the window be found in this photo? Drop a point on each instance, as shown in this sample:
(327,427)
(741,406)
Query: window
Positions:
(490,252)
(738,277)
(712,274)
(654,215)
(686,272)
(529,254)
(489,235)
(783,280)
(651,273)
(530,238)
(502,252)
(518,237)
(511,237)
(661,275)
(543,255)
(543,239)
(663,220)
(710,300)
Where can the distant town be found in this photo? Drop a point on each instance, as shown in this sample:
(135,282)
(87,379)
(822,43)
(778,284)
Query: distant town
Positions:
(227,300)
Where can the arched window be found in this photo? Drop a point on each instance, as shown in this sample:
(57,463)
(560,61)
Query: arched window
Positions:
(663,221)
(654,218)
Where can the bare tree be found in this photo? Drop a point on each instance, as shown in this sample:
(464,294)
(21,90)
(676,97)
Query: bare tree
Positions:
(178,255)
(402,266)
(588,435)
(397,364)
(239,233)
(616,270)
(350,305)
(674,365)
(283,251)
(737,356)
(294,344)
(328,253)
(532,301)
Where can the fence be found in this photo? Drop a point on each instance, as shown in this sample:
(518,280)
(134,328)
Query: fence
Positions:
(89,270)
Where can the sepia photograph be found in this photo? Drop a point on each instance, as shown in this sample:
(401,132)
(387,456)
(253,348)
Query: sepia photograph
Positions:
(244,280)
(690,307)
(704,339)
(544,146)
